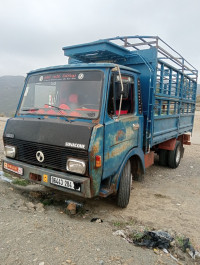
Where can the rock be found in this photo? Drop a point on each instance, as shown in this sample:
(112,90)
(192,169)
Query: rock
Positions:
(180,254)
(23,208)
(119,233)
(173,243)
(101,262)
(39,207)
(197,255)
(41,263)
(72,208)
(30,206)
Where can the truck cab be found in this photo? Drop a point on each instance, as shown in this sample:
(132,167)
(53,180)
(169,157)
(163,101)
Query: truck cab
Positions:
(75,128)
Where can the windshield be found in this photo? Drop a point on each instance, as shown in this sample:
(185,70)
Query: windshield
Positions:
(72,94)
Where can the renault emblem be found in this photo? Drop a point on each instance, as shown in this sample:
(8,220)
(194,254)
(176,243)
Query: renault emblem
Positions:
(40,156)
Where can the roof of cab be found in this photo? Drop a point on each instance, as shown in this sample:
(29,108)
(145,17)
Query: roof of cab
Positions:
(82,65)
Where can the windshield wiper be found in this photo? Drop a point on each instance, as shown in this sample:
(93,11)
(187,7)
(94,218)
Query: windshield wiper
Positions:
(60,111)
(30,109)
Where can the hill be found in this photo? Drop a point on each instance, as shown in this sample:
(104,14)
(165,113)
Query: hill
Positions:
(10,91)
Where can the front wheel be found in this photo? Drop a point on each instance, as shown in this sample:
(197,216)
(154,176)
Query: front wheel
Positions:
(124,190)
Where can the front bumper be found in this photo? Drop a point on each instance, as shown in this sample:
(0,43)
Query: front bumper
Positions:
(46,176)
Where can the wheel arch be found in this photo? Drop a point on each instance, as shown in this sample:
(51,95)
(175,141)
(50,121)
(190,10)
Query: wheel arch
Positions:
(136,157)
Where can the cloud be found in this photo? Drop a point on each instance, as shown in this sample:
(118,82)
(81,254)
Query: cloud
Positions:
(33,32)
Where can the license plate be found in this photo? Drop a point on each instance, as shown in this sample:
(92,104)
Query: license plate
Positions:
(15,169)
(64,183)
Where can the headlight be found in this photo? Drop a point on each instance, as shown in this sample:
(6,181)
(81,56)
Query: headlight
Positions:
(76,166)
(9,151)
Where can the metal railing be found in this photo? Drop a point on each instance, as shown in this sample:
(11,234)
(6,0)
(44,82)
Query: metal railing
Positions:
(165,52)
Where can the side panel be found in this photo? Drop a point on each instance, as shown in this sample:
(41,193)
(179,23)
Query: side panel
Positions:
(120,138)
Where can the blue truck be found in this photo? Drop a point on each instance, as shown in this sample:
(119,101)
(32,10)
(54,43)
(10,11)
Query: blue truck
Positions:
(91,126)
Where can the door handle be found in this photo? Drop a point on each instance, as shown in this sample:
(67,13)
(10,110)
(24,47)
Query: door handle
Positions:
(136,126)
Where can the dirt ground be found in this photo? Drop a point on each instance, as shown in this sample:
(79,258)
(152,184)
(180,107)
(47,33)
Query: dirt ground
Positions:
(167,199)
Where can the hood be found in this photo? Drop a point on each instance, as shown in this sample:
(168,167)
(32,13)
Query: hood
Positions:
(53,131)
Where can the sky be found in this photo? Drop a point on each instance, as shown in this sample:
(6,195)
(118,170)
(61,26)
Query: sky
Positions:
(33,32)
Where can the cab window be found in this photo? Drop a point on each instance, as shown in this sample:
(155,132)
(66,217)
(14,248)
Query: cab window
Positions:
(116,92)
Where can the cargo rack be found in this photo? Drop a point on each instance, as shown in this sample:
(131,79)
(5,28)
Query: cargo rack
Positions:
(164,52)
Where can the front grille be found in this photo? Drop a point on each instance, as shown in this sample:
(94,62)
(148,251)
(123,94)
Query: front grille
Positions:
(55,157)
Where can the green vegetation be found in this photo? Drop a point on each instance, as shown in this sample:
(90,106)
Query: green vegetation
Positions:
(136,236)
(7,175)
(118,224)
(121,224)
(21,182)
(47,201)
(180,241)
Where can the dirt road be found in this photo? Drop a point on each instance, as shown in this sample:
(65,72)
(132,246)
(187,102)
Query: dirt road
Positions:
(167,199)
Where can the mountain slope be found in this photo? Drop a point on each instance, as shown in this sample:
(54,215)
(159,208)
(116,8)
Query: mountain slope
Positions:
(10,91)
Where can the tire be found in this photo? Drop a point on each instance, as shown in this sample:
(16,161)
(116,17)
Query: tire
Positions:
(174,157)
(123,193)
(163,157)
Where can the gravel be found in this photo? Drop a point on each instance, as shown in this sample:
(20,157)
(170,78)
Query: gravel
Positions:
(167,199)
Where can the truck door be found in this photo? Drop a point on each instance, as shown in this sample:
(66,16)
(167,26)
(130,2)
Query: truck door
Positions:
(121,134)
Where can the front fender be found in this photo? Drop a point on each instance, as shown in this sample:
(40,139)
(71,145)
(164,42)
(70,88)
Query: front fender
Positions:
(133,152)
(95,148)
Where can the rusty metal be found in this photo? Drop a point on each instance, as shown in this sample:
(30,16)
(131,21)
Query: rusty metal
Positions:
(168,145)
(185,139)
(108,191)
(149,159)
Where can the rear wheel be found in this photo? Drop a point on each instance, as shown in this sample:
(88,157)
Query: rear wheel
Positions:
(174,157)
(124,190)
(163,157)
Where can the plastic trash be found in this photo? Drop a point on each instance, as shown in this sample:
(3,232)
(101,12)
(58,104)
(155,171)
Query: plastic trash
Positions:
(155,239)
(187,246)
(97,220)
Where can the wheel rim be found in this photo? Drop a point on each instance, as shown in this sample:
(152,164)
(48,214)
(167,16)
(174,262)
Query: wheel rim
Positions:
(178,154)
